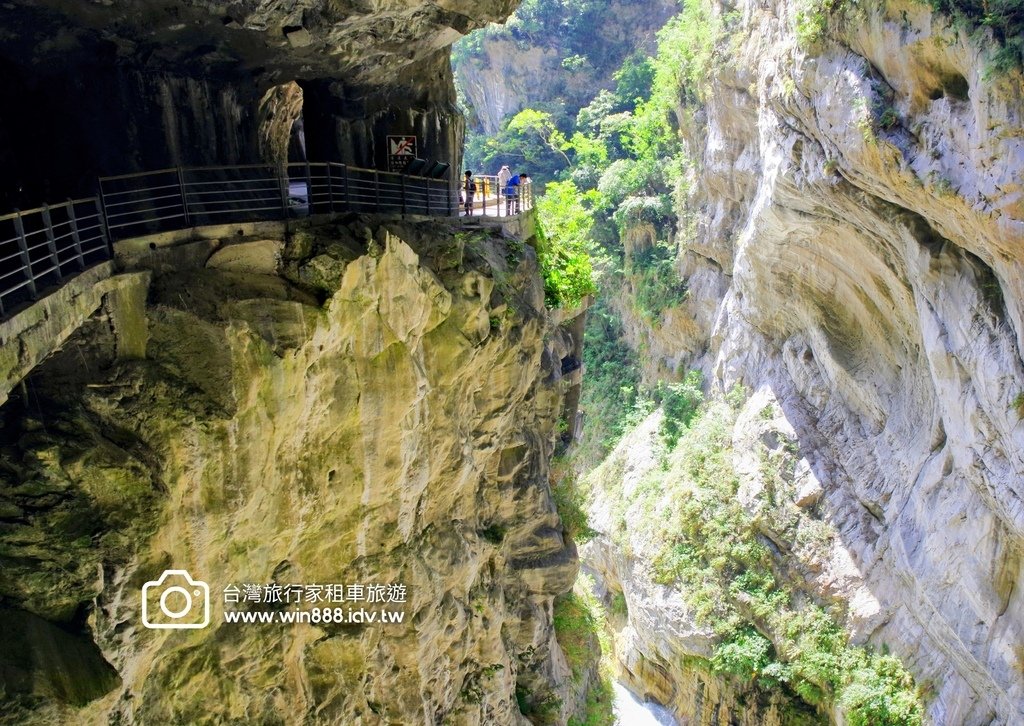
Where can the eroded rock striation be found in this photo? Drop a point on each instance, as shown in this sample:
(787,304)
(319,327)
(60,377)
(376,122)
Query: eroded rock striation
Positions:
(856,261)
(363,402)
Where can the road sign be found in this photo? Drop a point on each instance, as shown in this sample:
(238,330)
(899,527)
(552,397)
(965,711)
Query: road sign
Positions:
(401,150)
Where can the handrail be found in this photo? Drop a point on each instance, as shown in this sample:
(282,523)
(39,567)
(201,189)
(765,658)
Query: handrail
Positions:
(197,196)
(36,210)
(505,201)
(28,268)
(140,173)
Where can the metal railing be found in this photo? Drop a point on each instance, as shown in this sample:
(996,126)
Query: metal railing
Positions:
(493,199)
(182,197)
(40,248)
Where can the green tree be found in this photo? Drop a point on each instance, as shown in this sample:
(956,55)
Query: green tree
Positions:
(529,141)
(564,248)
(531,123)
(633,81)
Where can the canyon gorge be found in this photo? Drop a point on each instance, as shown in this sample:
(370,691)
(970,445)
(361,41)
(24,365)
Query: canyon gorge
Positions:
(845,223)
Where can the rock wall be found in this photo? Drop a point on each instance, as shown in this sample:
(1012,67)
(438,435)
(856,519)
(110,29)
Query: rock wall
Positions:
(856,260)
(524,69)
(366,402)
(115,87)
(667,629)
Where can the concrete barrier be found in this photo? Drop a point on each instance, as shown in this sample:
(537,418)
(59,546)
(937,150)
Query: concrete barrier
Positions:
(32,334)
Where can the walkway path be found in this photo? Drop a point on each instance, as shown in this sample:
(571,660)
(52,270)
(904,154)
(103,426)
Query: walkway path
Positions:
(41,249)
(490,201)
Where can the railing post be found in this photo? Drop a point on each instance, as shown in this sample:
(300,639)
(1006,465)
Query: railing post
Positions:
(376,188)
(344,178)
(76,239)
(330,188)
(309,188)
(282,183)
(26,261)
(184,197)
(101,212)
(450,194)
(51,242)
(402,177)
(426,189)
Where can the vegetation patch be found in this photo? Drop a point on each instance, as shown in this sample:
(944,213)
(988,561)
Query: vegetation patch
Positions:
(1018,404)
(814,16)
(572,497)
(719,554)
(679,404)
(657,285)
(582,633)
(611,398)
(576,632)
(1005,18)
(562,249)
(540,712)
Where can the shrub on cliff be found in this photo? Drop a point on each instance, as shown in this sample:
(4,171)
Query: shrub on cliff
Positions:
(686,52)
(572,498)
(611,394)
(680,402)
(581,632)
(715,552)
(1004,17)
(656,283)
(563,246)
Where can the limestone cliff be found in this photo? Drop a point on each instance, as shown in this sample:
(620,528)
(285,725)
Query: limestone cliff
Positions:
(100,88)
(552,55)
(363,402)
(851,245)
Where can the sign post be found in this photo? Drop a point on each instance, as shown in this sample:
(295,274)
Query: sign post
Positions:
(401,150)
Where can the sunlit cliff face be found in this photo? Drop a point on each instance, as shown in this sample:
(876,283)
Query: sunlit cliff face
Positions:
(855,262)
(360,403)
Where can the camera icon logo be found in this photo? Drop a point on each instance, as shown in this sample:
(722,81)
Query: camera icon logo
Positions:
(183,603)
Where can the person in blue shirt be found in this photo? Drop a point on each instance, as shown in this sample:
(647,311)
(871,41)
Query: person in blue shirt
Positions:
(512,195)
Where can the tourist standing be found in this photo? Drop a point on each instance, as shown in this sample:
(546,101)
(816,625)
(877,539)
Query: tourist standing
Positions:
(512,195)
(502,191)
(469,188)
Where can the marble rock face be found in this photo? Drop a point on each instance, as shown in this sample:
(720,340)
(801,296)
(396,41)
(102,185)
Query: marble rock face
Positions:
(388,423)
(858,259)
